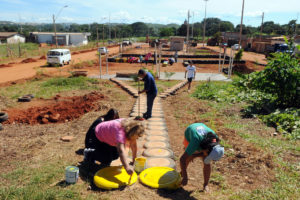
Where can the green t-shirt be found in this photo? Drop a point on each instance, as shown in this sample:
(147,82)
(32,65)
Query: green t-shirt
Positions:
(194,134)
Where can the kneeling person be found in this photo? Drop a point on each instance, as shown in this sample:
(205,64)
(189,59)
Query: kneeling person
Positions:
(200,141)
(113,136)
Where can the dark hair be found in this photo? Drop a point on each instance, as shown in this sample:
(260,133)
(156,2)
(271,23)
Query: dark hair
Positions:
(141,72)
(207,143)
(111,114)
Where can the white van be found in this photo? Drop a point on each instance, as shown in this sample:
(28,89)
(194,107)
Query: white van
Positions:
(103,50)
(58,56)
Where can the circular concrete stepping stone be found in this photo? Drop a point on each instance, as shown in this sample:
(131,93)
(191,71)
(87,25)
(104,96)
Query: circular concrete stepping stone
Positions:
(157,115)
(157,132)
(157,138)
(161,162)
(152,123)
(158,153)
(156,119)
(156,127)
(155,144)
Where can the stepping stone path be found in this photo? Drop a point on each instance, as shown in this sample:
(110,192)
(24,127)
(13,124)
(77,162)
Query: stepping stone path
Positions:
(154,145)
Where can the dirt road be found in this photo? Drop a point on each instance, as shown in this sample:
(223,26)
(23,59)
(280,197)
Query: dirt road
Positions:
(27,70)
(250,56)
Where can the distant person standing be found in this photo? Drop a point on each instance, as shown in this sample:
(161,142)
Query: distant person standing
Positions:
(176,56)
(150,89)
(191,71)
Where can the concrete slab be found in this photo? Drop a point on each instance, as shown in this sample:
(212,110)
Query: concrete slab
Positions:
(199,77)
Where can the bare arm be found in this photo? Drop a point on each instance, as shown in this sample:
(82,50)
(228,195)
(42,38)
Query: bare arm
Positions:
(133,147)
(184,162)
(206,174)
(121,150)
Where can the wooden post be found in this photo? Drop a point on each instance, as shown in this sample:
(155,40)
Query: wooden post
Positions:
(100,64)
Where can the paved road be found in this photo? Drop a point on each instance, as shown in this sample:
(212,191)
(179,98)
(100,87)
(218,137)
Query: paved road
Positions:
(178,76)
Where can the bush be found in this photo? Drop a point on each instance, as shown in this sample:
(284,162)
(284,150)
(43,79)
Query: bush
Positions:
(285,121)
(238,56)
(280,79)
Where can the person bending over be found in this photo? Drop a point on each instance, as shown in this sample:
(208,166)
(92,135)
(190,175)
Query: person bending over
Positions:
(113,136)
(200,141)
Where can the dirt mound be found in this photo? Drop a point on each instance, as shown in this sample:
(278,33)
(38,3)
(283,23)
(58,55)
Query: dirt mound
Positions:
(5,65)
(28,60)
(63,109)
(42,57)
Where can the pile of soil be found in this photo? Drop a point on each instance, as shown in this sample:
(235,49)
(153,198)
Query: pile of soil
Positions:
(64,109)
(5,65)
(28,60)
(42,57)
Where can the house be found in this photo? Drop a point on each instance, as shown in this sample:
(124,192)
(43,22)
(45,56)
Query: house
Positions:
(232,38)
(66,39)
(177,43)
(11,38)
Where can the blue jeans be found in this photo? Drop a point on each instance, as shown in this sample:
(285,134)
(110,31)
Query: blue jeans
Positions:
(150,100)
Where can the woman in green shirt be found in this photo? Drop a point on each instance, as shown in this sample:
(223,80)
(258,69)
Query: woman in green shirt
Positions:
(200,141)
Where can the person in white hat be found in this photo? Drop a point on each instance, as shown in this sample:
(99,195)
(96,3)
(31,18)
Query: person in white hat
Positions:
(200,141)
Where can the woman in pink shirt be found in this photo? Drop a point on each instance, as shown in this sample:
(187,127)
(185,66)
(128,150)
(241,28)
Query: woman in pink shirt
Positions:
(113,136)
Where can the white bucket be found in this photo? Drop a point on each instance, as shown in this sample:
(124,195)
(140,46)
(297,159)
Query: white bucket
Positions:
(72,174)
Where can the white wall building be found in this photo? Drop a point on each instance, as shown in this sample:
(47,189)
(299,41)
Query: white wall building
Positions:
(67,39)
(11,38)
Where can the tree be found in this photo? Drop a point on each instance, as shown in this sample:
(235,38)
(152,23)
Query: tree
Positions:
(139,29)
(163,32)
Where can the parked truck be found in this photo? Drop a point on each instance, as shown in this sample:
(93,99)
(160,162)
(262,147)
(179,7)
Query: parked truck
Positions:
(284,48)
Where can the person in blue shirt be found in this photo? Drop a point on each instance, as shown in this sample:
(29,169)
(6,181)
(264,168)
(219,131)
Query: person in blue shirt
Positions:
(150,89)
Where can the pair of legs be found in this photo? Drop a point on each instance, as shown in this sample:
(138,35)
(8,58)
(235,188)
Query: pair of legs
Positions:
(190,82)
(150,100)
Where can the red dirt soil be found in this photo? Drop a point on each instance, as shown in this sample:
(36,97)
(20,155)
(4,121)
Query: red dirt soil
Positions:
(28,60)
(61,110)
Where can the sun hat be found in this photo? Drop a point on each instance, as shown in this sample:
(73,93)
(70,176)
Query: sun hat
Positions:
(216,154)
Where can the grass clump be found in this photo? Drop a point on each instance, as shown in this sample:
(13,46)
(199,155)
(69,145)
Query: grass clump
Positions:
(49,87)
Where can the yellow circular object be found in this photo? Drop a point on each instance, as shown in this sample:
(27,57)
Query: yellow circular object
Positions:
(113,177)
(161,177)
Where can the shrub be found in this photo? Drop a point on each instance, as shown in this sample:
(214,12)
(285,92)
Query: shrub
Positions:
(280,78)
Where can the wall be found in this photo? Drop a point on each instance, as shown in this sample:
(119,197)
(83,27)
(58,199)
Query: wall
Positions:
(15,39)
(78,40)
(45,38)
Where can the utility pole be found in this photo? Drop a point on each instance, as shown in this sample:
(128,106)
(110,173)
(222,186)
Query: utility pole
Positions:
(54,31)
(193,26)
(262,23)
(103,33)
(241,26)
(54,19)
(296,25)
(109,29)
(97,36)
(204,25)
(188,32)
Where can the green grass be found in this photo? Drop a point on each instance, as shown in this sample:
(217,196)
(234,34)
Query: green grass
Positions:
(37,183)
(287,183)
(33,50)
(49,87)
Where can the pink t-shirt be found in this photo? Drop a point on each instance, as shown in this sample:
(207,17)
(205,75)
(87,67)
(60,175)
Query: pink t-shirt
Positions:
(111,132)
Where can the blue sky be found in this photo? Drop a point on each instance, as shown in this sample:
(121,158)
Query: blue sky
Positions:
(149,11)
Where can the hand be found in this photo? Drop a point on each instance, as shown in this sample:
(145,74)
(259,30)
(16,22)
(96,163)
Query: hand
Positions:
(129,170)
(131,163)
